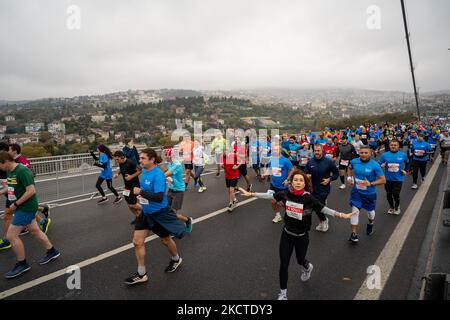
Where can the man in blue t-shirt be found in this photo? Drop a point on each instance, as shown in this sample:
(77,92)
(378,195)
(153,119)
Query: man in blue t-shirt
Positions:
(395,165)
(279,168)
(363,174)
(419,152)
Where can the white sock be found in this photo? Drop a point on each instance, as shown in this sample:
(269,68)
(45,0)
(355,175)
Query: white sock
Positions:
(141,270)
(278,213)
(283,291)
(176,258)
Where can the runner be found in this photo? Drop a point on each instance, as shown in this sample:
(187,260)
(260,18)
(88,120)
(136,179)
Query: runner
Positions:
(357,143)
(298,204)
(304,155)
(187,148)
(103,162)
(130,151)
(347,152)
(322,171)
(15,151)
(156,216)
(330,150)
(419,152)
(22,194)
(231,164)
(218,147)
(363,174)
(199,165)
(395,165)
(239,147)
(265,152)
(280,168)
(254,155)
(444,143)
(175,194)
(130,173)
(433,140)
(293,149)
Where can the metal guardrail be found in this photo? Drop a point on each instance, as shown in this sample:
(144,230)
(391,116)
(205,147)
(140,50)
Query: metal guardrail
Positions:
(66,164)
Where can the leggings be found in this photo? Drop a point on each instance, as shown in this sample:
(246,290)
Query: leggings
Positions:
(422,165)
(287,245)
(98,185)
(197,176)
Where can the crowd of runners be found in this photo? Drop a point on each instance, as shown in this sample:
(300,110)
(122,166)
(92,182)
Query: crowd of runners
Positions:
(298,169)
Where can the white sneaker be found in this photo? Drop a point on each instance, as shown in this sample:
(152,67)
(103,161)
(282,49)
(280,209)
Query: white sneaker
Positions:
(322,226)
(282,296)
(390,211)
(277,218)
(342,186)
(396,212)
(306,273)
(201,189)
(230,207)
(414,187)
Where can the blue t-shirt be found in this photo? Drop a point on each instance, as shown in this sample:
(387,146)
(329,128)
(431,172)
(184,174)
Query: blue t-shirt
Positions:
(177,176)
(433,139)
(373,136)
(153,181)
(420,150)
(322,141)
(105,173)
(254,151)
(279,171)
(293,148)
(395,163)
(369,170)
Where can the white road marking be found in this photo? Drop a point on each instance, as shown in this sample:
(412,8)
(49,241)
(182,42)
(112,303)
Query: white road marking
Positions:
(389,255)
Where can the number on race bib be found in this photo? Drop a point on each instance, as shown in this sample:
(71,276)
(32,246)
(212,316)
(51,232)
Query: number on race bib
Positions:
(294,210)
(419,153)
(360,184)
(304,161)
(143,201)
(344,162)
(393,167)
(276,172)
(11,194)
(126,193)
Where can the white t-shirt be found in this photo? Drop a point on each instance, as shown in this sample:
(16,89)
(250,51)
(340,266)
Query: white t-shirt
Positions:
(198,156)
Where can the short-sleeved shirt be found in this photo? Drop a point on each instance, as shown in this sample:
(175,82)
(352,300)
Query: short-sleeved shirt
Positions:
(177,176)
(105,173)
(362,170)
(153,181)
(279,171)
(129,168)
(395,163)
(18,180)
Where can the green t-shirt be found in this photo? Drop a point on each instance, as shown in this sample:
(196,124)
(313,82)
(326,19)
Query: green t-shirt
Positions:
(18,180)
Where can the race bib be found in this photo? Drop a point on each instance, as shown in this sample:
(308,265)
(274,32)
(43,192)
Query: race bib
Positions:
(4,182)
(294,210)
(293,153)
(360,184)
(11,194)
(419,153)
(143,201)
(126,193)
(393,167)
(169,181)
(446,143)
(344,162)
(276,172)
(304,161)
(433,146)
(329,155)
(253,149)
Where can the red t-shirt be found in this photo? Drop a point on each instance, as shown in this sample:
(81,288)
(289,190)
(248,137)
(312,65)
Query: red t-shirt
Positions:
(330,150)
(228,163)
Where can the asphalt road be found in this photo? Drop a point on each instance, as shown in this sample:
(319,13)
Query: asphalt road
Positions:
(228,256)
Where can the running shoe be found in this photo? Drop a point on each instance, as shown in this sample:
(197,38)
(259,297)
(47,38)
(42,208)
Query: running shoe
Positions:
(249,188)
(353,238)
(201,189)
(306,273)
(322,226)
(414,187)
(5,244)
(230,207)
(277,218)
(118,200)
(369,229)
(282,296)
(217,174)
(390,211)
(102,200)
(236,190)
(17,270)
(136,278)
(173,265)
(235,201)
(396,211)
(43,225)
(24,231)
(342,186)
(49,256)
(46,210)
(189,225)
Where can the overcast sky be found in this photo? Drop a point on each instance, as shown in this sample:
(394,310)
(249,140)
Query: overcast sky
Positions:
(212,44)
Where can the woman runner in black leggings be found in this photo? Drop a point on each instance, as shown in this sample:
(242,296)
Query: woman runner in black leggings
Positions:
(299,205)
(103,162)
